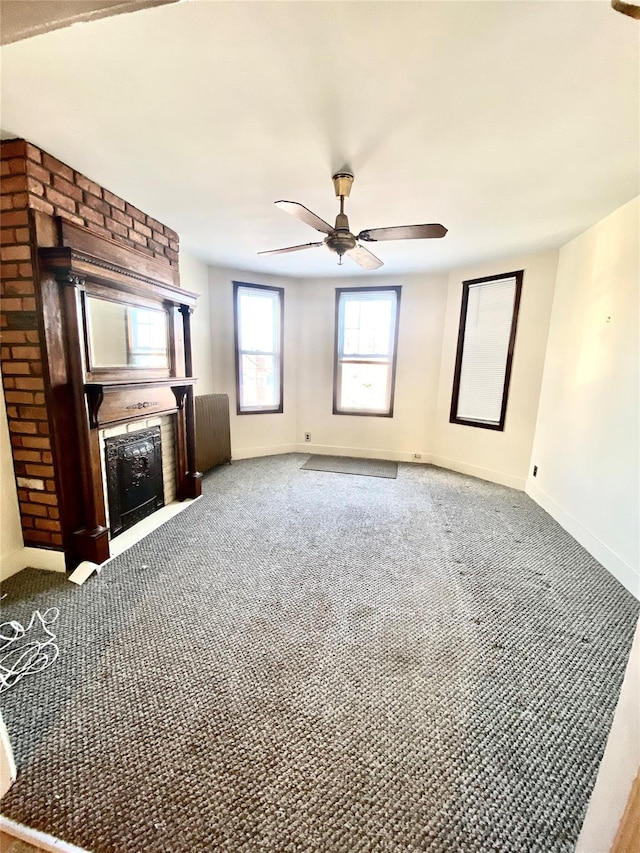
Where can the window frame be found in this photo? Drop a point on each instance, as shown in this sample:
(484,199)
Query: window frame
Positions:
(397,289)
(453,417)
(279,408)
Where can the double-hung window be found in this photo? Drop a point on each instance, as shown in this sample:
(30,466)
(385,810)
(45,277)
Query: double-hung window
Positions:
(486,339)
(366,348)
(258,315)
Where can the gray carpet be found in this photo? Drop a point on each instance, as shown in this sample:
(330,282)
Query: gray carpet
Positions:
(352,465)
(332,665)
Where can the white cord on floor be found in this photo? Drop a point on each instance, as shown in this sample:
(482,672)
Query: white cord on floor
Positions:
(20,656)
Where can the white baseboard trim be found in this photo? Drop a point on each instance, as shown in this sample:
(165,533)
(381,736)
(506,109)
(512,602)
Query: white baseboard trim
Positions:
(41,840)
(489,474)
(41,558)
(253,452)
(360,453)
(36,558)
(379,453)
(622,571)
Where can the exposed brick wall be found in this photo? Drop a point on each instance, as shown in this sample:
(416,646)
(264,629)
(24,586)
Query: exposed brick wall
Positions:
(22,362)
(31,179)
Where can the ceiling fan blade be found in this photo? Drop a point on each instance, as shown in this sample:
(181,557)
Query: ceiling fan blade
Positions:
(303,213)
(290,249)
(364,257)
(403,232)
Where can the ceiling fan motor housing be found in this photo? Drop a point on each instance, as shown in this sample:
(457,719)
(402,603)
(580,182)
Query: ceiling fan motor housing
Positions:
(340,241)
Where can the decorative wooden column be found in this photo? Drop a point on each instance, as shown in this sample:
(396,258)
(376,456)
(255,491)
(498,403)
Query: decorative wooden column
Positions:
(91,541)
(193,479)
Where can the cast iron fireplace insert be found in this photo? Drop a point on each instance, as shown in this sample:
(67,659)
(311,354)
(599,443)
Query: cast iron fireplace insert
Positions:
(134,477)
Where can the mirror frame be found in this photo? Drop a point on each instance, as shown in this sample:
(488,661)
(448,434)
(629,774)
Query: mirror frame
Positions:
(92,365)
(129,372)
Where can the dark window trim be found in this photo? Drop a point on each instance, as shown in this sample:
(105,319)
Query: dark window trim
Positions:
(453,418)
(339,291)
(277,410)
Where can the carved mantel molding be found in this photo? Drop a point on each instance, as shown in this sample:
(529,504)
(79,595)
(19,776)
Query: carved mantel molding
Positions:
(129,401)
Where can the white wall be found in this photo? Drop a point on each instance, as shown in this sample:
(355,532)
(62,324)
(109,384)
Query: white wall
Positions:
(588,428)
(11,544)
(502,457)
(619,765)
(194,276)
(410,430)
(429,316)
(263,434)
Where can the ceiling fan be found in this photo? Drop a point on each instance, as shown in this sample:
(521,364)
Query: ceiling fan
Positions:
(340,239)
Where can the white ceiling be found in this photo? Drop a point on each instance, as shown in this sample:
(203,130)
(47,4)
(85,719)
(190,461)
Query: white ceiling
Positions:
(515,124)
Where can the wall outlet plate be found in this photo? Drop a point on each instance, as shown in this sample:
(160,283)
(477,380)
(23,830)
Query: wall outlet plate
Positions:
(307,436)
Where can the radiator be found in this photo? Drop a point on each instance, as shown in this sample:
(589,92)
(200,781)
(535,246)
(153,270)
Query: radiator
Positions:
(213,434)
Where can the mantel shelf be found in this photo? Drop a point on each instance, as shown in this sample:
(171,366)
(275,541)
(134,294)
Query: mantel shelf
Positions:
(141,383)
(119,401)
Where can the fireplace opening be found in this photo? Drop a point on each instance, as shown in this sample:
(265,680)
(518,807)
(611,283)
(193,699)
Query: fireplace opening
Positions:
(134,477)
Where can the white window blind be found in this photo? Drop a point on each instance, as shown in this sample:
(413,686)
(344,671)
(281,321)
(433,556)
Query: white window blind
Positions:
(487,332)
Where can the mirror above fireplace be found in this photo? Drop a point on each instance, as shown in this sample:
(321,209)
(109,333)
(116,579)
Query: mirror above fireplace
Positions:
(124,335)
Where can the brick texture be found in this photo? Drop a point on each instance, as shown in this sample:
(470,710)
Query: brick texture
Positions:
(31,179)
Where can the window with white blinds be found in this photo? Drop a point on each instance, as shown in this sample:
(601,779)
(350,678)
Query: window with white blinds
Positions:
(485,348)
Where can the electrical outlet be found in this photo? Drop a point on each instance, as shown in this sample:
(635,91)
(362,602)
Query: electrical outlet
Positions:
(307,436)
(535,470)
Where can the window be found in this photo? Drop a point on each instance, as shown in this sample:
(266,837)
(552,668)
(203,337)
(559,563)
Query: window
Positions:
(258,316)
(366,345)
(485,350)
(147,337)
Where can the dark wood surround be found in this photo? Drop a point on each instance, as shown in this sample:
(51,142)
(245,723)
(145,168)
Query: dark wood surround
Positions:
(82,397)
(453,417)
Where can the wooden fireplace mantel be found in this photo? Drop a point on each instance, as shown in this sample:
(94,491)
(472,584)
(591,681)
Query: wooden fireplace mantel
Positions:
(119,402)
(75,265)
